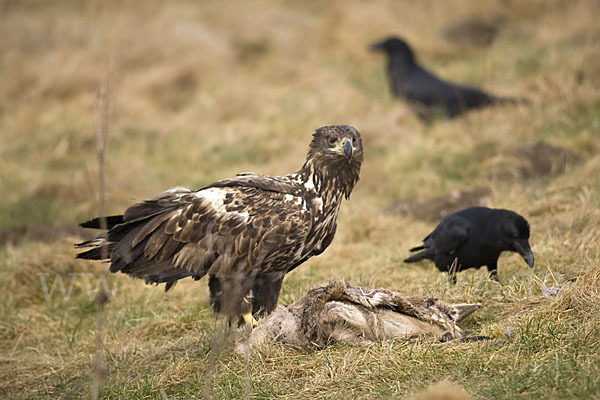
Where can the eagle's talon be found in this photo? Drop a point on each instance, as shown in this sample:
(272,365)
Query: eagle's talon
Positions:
(249,319)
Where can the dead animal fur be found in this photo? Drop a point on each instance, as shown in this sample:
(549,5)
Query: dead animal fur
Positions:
(338,312)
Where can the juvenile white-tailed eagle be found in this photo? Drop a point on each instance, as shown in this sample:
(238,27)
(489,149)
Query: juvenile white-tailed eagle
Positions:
(246,232)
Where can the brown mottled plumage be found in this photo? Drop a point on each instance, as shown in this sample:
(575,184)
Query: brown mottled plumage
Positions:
(246,232)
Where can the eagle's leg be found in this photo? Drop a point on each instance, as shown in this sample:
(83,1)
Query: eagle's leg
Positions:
(232,297)
(265,292)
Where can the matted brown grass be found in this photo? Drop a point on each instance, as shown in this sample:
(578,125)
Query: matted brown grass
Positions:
(207,90)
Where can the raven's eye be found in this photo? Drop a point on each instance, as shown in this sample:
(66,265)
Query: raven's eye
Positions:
(515,235)
(332,140)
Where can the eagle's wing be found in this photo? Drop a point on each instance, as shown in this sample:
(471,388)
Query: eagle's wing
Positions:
(281,184)
(246,225)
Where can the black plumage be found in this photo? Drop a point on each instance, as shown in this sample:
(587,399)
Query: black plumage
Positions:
(246,232)
(474,237)
(427,94)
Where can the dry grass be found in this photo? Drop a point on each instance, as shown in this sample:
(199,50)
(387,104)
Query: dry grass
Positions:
(208,90)
(443,390)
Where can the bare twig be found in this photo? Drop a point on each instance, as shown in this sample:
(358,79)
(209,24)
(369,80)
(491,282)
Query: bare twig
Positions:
(219,335)
(99,370)
(247,382)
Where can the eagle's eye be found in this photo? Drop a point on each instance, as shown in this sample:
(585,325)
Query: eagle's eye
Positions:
(332,140)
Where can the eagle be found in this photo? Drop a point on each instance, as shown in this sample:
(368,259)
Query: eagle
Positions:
(245,232)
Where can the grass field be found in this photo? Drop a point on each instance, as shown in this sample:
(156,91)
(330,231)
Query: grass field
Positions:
(201,91)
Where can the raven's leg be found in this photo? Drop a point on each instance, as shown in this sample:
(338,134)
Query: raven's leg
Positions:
(452,277)
(493,270)
(452,271)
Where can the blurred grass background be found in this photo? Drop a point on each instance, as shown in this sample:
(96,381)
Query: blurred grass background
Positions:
(204,90)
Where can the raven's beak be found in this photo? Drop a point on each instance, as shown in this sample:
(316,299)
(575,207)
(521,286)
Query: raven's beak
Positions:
(529,259)
(525,252)
(347,148)
(377,46)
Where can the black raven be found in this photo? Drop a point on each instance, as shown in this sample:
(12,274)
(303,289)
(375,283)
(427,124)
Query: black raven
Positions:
(427,93)
(474,237)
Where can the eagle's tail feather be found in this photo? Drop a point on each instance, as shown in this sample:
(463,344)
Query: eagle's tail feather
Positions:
(101,249)
(102,246)
(95,223)
(118,227)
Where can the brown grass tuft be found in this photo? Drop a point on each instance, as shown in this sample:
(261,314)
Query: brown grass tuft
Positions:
(582,297)
(443,390)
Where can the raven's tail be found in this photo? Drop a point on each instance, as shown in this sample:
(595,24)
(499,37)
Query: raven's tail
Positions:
(419,256)
(510,100)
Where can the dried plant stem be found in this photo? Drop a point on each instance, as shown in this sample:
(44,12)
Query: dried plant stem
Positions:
(99,371)
(219,338)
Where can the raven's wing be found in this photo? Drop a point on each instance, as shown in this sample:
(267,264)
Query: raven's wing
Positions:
(448,236)
(430,90)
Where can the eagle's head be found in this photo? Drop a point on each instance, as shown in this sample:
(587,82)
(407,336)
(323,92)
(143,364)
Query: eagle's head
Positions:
(336,155)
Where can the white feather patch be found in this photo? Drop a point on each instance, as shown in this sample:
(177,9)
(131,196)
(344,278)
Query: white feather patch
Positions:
(180,190)
(318,203)
(309,184)
(216,198)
